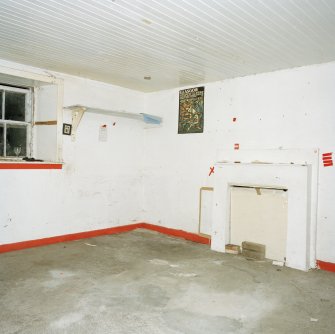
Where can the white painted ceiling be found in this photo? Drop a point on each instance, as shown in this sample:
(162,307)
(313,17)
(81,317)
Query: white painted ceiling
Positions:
(176,42)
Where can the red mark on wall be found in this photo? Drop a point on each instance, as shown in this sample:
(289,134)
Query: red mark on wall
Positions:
(236,146)
(327,159)
(104,126)
(234,119)
(211,171)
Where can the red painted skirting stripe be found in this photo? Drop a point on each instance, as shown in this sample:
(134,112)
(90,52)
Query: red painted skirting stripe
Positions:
(126,228)
(120,229)
(25,165)
(112,230)
(67,237)
(326,265)
(178,233)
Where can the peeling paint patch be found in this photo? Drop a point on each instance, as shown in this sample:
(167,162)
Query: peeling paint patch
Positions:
(159,262)
(187,275)
(67,320)
(58,278)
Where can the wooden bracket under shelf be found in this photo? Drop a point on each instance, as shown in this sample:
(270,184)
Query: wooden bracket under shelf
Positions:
(77,114)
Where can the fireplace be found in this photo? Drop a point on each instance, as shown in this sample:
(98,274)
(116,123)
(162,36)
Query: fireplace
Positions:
(299,181)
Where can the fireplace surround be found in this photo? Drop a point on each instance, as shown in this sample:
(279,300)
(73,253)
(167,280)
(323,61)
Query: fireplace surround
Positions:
(298,178)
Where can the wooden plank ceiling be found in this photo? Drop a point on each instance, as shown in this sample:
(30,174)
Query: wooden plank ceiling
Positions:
(174,42)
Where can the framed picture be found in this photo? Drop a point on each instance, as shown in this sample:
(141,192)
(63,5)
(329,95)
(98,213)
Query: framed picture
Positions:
(191,110)
(67,129)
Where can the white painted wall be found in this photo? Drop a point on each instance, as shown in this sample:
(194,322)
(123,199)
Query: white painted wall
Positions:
(156,175)
(206,211)
(285,109)
(100,185)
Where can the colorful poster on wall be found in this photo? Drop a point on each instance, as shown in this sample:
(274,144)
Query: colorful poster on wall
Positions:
(191,110)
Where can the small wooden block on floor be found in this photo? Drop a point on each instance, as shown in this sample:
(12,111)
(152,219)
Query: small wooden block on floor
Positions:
(233,249)
(252,250)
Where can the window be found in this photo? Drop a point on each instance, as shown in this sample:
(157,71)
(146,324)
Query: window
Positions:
(15,122)
(31,110)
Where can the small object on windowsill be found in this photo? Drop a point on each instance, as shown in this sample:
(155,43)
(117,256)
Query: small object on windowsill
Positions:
(32,159)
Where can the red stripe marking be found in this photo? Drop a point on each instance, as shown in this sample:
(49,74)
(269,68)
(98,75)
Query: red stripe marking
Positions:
(325,265)
(23,165)
(327,164)
(327,159)
(327,154)
(107,231)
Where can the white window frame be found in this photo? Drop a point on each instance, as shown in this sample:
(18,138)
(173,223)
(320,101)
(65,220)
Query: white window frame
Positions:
(28,117)
(34,78)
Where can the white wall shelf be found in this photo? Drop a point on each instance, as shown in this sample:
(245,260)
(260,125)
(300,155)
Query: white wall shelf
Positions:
(79,110)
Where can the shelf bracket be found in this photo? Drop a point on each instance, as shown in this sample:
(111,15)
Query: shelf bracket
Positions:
(77,114)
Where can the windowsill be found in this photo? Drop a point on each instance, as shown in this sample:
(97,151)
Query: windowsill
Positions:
(20,164)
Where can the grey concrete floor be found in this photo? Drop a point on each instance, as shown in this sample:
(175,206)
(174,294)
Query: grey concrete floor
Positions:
(144,282)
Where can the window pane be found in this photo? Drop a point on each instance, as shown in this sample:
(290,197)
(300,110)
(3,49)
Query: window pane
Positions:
(15,105)
(16,144)
(1,139)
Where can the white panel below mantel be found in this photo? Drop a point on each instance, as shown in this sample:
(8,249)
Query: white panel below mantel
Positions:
(260,215)
(294,177)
